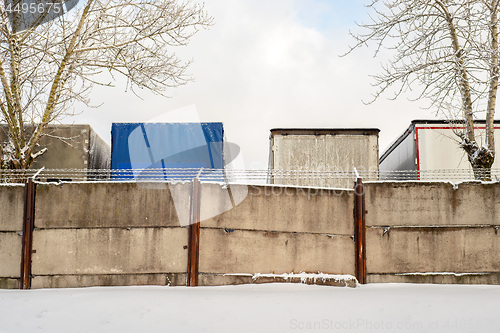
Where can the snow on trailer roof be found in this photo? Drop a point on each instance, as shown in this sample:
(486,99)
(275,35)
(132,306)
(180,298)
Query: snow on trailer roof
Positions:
(325,131)
(448,122)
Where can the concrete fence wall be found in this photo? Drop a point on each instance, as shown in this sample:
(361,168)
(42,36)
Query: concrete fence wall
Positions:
(433,232)
(276,230)
(107,234)
(11,227)
(89,234)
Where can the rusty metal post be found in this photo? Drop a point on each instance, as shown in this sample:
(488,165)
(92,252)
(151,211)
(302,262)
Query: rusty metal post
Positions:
(28,225)
(194,234)
(360,230)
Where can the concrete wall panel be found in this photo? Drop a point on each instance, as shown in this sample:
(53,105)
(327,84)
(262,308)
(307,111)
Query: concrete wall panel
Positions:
(459,250)
(8,283)
(109,251)
(10,254)
(432,204)
(225,251)
(493,278)
(79,281)
(11,206)
(275,208)
(90,205)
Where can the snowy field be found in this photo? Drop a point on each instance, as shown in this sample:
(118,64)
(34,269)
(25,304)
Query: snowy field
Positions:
(254,308)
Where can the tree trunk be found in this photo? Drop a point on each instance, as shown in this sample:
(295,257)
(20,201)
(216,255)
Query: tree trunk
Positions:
(480,158)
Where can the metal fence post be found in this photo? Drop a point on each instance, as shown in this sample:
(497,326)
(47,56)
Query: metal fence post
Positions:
(28,225)
(194,234)
(360,231)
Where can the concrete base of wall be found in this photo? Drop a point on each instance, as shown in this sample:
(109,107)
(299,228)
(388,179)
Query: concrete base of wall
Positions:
(167,279)
(488,278)
(207,279)
(9,283)
(103,280)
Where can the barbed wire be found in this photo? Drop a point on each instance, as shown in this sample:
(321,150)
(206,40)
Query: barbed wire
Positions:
(285,177)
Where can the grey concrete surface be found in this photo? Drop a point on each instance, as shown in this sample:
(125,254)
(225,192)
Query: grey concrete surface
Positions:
(275,208)
(126,233)
(10,254)
(459,250)
(9,283)
(79,281)
(91,205)
(431,204)
(241,251)
(109,251)
(486,278)
(11,206)
(223,280)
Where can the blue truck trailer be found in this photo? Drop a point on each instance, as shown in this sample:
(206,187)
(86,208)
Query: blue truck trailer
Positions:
(179,146)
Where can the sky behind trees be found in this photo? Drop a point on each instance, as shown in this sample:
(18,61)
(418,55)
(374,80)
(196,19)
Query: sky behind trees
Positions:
(269,64)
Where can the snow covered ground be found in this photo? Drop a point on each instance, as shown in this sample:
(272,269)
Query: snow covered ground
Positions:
(254,308)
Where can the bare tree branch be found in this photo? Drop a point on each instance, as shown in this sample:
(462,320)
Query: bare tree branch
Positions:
(47,67)
(448,49)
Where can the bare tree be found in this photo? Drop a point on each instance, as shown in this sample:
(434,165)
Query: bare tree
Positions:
(49,61)
(449,50)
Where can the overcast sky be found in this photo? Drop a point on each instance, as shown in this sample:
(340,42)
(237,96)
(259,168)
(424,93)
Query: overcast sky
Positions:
(270,64)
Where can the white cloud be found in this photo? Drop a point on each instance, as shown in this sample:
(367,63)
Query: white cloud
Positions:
(264,65)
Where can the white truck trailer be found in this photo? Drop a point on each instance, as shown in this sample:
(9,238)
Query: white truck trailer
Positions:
(318,157)
(431,149)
